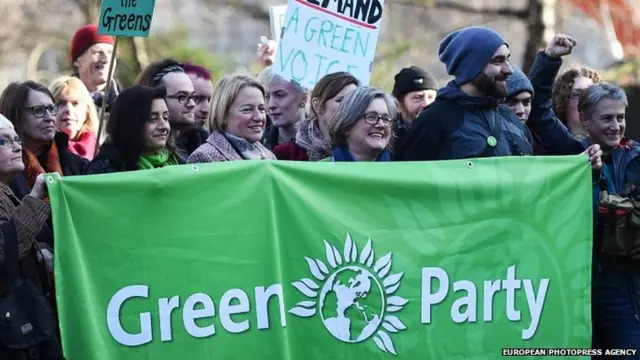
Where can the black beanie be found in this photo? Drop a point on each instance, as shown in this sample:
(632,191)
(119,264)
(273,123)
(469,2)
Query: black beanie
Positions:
(413,79)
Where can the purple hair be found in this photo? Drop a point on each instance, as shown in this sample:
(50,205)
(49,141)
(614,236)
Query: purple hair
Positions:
(197,70)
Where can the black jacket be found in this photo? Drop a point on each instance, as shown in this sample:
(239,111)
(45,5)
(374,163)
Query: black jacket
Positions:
(109,160)
(188,142)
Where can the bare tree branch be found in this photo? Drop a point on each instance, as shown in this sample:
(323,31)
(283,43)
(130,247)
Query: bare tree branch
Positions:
(468,9)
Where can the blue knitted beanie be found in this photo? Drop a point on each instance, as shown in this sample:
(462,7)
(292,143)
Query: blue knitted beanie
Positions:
(466,52)
(518,82)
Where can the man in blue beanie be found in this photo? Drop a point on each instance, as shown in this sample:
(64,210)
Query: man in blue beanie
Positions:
(468,119)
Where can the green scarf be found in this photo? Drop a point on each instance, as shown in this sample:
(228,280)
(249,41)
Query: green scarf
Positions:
(157,160)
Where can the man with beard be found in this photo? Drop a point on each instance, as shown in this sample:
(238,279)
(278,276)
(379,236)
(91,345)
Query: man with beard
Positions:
(468,119)
(181,97)
(195,135)
(414,89)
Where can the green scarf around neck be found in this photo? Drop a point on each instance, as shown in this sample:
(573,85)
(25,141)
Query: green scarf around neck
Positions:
(157,160)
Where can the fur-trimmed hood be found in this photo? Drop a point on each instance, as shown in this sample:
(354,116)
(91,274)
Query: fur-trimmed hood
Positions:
(309,137)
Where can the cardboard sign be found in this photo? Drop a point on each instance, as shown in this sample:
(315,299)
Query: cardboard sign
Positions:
(321,37)
(126,17)
(277,15)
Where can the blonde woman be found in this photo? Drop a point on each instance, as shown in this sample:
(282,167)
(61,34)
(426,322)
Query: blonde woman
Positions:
(237,122)
(77,115)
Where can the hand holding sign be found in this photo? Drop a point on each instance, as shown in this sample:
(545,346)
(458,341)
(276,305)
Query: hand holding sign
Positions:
(122,18)
(266,51)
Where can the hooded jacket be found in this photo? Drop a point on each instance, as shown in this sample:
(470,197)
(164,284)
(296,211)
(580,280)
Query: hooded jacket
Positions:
(458,126)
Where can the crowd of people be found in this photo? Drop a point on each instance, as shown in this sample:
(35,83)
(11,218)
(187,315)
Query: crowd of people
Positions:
(173,114)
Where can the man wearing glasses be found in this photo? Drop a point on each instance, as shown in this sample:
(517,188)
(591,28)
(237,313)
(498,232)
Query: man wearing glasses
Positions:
(181,97)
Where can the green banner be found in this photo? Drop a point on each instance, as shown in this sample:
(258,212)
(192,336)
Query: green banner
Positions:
(295,260)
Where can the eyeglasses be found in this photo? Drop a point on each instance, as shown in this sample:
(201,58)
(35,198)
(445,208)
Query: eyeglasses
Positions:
(7,142)
(372,118)
(184,98)
(39,111)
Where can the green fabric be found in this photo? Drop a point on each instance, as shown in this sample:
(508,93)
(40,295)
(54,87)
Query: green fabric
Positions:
(157,160)
(298,260)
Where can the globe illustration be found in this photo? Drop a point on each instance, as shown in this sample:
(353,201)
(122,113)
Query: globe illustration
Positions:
(351,304)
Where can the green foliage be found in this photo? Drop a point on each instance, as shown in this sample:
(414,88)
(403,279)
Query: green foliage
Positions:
(384,66)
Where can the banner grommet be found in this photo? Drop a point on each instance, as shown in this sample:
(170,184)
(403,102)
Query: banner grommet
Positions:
(470,164)
(195,168)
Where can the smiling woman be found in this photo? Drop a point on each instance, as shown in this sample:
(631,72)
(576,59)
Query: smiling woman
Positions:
(31,108)
(361,128)
(237,122)
(138,131)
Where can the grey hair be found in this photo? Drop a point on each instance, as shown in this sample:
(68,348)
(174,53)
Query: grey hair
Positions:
(352,108)
(268,76)
(5,123)
(596,93)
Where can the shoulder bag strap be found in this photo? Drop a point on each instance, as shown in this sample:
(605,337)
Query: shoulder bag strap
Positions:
(495,128)
(11,255)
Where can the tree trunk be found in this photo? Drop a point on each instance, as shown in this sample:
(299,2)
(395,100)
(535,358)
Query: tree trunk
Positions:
(541,26)
(139,50)
(535,31)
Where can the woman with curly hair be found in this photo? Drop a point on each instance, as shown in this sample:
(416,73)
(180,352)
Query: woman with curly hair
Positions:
(566,94)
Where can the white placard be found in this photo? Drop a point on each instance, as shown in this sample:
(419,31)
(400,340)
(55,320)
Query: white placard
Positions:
(325,36)
(276,15)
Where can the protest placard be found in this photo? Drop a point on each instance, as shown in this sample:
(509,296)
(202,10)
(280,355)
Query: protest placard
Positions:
(121,18)
(315,261)
(276,16)
(322,37)
(126,17)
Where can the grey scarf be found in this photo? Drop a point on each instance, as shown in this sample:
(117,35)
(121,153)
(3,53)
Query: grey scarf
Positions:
(248,151)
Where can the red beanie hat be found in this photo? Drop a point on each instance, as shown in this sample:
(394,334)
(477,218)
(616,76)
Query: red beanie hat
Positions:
(85,37)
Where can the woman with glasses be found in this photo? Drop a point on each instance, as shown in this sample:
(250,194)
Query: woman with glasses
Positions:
(138,131)
(566,95)
(77,116)
(32,109)
(361,128)
(34,257)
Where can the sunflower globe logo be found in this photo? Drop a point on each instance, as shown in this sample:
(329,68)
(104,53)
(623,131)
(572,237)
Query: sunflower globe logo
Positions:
(353,296)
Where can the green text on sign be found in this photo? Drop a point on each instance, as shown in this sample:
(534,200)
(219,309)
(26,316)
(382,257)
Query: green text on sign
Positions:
(126,17)
(315,261)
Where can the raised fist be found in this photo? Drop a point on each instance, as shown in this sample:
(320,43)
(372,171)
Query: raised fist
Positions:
(560,46)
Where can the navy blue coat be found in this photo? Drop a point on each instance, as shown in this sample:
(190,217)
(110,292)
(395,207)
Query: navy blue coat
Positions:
(456,126)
